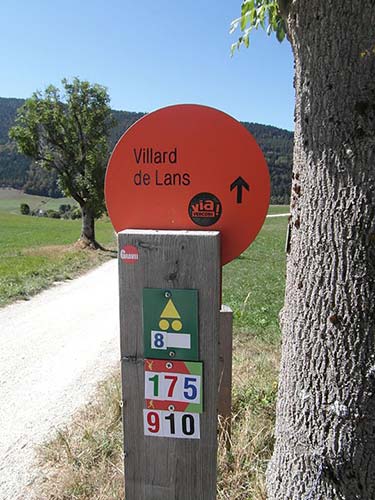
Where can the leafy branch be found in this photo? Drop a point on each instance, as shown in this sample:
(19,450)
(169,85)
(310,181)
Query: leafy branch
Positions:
(258,13)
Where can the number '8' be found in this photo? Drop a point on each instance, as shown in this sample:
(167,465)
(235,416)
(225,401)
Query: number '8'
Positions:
(159,340)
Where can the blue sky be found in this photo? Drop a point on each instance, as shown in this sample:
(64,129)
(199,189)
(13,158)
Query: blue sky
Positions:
(148,54)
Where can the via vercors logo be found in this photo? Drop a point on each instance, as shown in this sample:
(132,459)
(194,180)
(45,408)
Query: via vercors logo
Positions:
(205,209)
(129,254)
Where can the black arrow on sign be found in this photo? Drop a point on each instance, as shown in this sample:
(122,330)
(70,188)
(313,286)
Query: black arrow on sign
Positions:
(239,183)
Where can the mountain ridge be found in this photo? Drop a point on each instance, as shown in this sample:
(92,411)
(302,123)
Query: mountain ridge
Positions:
(20,172)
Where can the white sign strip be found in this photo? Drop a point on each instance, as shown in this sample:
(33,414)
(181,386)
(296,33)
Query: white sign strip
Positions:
(178,340)
(167,340)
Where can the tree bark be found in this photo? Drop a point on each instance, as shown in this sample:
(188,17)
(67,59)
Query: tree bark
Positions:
(87,237)
(325,426)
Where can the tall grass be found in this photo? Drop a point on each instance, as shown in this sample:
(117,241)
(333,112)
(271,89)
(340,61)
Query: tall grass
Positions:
(241,469)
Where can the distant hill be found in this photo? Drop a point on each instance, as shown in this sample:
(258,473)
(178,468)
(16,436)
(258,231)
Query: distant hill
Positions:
(277,147)
(20,172)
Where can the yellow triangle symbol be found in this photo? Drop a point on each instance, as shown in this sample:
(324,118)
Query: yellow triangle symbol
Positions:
(170,311)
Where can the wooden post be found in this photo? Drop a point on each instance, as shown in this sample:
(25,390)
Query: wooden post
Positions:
(159,468)
(225,372)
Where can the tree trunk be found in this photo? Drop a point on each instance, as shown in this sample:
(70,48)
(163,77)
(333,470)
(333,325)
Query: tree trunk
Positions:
(325,426)
(87,237)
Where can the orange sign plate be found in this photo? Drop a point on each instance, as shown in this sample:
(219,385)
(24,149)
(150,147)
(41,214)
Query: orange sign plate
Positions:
(189,167)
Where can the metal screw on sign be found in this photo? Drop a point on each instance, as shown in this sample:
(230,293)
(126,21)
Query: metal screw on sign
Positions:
(167,295)
(171,408)
(172,354)
(169,365)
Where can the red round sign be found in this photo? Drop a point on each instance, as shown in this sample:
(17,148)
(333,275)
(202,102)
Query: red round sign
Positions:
(189,167)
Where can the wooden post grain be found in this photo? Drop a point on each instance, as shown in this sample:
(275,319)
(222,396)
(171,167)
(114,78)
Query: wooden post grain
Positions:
(165,468)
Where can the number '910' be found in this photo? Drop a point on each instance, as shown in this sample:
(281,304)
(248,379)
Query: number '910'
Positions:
(167,424)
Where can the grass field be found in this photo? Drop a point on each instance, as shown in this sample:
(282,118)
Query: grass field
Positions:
(253,283)
(84,461)
(11,199)
(35,252)
(278,209)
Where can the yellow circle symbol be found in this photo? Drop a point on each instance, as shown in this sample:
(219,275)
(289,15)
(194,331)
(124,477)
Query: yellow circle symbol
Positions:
(176,325)
(163,324)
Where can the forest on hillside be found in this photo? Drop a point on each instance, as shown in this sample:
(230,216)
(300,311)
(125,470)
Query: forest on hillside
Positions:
(20,172)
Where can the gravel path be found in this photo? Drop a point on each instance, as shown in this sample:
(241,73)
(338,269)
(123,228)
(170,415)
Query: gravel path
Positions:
(54,350)
(277,215)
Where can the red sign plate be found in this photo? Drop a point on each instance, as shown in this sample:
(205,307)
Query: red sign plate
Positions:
(189,167)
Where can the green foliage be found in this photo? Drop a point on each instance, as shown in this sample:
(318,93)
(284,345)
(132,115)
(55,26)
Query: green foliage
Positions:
(18,171)
(41,182)
(13,166)
(258,13)
(64,208)
(277,147)
(52,214)
(124,120)
(66,131)
(24,209)
(75,213)
(8,107)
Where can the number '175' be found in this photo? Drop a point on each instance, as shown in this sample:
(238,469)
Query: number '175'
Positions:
(173,386)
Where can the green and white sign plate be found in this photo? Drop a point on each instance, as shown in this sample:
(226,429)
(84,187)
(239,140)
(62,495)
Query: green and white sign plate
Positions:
(170,323)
